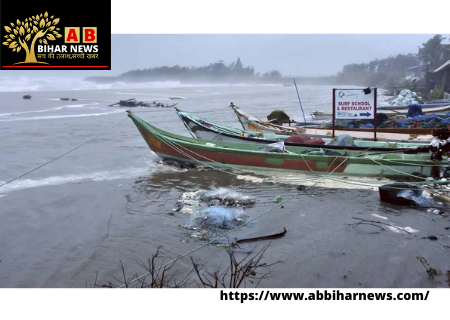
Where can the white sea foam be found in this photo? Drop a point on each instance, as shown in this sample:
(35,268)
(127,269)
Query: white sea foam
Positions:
(31,84)
(27,112)
(64,116)
(59,180)
(48,110)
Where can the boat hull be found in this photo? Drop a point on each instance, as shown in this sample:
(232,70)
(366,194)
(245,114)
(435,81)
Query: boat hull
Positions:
(237,155)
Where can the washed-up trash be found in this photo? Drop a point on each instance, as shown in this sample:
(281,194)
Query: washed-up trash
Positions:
(435,211)
(278,199)
(208,223)
(213,210)
(218,216)
(407,195)
(224,196)
(438,212)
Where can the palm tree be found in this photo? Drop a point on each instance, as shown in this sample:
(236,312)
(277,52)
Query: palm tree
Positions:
(431,52)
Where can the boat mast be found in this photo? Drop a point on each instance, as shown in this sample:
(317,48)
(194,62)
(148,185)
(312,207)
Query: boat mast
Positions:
(300,101)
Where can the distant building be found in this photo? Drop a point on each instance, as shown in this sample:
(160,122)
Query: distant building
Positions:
(443,77)
(415,72)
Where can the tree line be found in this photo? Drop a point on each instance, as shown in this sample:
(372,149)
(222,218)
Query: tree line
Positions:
(214,72)
(392,72)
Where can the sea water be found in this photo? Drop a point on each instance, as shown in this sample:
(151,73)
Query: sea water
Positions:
(77,206)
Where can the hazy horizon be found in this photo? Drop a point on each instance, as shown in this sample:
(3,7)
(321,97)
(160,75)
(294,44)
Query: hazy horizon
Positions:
(290,54)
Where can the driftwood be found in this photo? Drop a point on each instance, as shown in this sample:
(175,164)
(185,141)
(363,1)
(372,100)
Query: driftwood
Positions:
(269,237)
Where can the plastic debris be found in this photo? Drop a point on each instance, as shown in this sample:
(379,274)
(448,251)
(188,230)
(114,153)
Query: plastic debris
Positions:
(410,195)
(222,217)
(212,211)
(228,197)
(435,211)
(278,199)
(209,223)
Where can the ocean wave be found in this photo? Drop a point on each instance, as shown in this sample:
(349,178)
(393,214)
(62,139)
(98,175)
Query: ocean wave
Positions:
(63,116)
(27,112)
(48,110)
(31,84)
(59,180)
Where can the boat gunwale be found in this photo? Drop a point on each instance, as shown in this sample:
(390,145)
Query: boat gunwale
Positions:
(220,146)
(267,141)
(268,126)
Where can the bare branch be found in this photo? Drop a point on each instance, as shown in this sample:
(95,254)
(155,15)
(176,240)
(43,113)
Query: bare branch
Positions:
(375,224)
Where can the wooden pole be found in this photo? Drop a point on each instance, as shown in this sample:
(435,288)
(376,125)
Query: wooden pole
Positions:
(334,109)
(375,115)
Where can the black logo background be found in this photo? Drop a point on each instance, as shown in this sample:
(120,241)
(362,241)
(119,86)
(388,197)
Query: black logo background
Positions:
(71,14)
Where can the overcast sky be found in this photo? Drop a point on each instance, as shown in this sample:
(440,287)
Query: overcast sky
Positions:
(297,40)
(291,54)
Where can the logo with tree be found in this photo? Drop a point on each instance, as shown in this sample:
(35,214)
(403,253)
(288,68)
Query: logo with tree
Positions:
(39,27)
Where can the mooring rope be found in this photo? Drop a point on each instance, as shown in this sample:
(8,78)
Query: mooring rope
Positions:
(62,155)
(177,147)
(399,171)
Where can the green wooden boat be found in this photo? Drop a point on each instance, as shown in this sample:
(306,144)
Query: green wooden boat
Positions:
(251,123)
(301,159)
(207,130)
